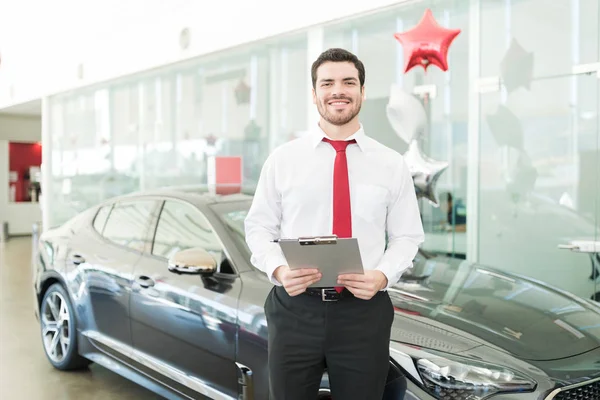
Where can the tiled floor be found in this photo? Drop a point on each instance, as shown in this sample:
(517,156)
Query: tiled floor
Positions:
(24,371)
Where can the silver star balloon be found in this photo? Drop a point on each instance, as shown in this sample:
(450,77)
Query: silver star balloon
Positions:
(425,172)
(406,114)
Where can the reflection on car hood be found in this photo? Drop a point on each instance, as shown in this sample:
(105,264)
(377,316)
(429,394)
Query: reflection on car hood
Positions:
(449,302)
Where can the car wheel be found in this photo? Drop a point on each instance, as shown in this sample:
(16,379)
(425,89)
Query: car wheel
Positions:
(59,330)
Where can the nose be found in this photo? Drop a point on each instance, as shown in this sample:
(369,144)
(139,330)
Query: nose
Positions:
(337,91)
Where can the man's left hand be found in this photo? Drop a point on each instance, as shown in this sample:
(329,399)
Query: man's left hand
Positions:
(364,286)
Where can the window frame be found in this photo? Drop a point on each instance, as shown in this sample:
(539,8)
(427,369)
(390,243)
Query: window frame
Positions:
(110,207)
(146,233)
(154,228)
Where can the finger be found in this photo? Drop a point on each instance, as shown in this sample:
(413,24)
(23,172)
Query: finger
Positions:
(355,284)
(295,291)
(303,272)
(361,293)
(301,284)
(291,279)
(300,277)
(303,279)
(362,286)
(352,277)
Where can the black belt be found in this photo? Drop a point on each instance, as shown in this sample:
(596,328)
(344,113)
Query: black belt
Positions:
(328,294)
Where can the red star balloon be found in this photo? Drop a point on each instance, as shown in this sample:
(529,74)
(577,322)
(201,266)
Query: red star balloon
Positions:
(427,43)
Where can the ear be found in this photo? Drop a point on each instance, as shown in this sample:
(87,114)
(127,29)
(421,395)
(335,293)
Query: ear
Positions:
(314,96)
(364,93)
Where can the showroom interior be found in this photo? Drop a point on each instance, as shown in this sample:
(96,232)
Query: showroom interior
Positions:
(513,127)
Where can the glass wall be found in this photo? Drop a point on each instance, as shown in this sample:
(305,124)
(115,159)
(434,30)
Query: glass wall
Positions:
(539,140)
(515,119)
(160,128)
(428,108)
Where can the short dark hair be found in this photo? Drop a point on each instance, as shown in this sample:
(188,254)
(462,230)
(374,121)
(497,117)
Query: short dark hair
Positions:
(338,55)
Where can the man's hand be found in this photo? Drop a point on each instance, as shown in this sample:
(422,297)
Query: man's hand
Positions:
(364,286)
(296,281)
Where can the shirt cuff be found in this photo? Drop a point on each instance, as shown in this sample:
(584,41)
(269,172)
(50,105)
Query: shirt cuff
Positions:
(273,262)
(392,274)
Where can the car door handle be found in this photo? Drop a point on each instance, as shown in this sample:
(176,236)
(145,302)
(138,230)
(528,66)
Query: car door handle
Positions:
(144,281)
(77,259)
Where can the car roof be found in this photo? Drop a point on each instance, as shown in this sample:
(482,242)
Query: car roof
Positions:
(195,193)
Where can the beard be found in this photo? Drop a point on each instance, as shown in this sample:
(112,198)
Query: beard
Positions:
(339,118)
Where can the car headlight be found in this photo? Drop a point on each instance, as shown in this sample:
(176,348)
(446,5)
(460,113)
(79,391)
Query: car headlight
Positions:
(459,378)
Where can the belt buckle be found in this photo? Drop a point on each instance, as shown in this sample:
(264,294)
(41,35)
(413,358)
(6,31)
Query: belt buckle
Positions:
(324,296)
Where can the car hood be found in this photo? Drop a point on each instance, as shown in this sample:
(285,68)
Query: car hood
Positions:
(453,305)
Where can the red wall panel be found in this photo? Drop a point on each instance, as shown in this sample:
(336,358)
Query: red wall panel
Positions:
(21,156)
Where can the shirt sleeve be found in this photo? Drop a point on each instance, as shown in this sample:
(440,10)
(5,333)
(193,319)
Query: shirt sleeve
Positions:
(262,224)
(403,226)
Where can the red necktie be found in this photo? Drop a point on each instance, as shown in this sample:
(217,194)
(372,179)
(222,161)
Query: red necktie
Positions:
(342,216)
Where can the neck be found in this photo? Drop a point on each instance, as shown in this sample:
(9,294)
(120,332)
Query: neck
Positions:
(341,132)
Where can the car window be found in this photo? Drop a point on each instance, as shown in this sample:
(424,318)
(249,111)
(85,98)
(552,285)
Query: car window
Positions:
(101,217)
(128,223)
(234,221)
(182,226)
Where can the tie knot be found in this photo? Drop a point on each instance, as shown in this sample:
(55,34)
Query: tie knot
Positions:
(339,145)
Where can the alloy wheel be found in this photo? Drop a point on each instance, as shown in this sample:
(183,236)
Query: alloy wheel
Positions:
(56,327)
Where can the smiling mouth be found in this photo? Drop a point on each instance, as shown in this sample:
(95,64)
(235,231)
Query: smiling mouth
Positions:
(338,103)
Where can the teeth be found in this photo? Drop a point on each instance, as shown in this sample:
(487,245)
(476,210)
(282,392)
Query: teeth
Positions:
(338,103)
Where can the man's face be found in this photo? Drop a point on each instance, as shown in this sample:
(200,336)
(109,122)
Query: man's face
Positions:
(337,93)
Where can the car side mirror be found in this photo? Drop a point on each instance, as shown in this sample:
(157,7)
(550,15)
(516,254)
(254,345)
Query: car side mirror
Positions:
(194,261)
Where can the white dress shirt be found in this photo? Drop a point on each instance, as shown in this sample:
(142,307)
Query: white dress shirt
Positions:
(294,198)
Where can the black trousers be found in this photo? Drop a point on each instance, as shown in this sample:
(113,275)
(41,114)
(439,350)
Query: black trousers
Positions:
(350,337)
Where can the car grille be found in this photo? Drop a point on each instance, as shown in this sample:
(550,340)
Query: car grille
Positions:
(585,391)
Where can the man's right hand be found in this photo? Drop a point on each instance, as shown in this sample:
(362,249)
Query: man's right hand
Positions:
(296,281)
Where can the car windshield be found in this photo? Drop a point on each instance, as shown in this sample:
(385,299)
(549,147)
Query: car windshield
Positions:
(233,214)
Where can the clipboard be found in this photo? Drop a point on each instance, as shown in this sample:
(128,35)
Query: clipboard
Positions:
(331,255)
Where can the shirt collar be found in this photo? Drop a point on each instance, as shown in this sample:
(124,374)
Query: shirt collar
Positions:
(318,134)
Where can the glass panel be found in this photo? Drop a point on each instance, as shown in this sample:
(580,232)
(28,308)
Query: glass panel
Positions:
(100,218)
(128,223)
(558,35)
(180,227)
(539,143)
(162,127)
(79,123)
(388,113)
(120,146)
(539,153)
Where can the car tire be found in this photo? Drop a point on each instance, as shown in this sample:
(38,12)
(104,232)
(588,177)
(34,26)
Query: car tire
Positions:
(58,327)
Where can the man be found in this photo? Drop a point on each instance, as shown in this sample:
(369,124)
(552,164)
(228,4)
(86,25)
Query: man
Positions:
(313,186)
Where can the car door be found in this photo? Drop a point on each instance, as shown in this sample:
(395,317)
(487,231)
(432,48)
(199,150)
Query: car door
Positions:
(184,326)
(106,253)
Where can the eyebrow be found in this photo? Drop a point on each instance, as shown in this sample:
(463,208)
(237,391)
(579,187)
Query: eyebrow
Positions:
(345,80)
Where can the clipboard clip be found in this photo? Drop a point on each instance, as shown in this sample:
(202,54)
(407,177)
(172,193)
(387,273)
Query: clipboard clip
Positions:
(318,240)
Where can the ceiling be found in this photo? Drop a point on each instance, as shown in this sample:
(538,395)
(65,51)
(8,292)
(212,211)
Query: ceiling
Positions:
(31,108)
